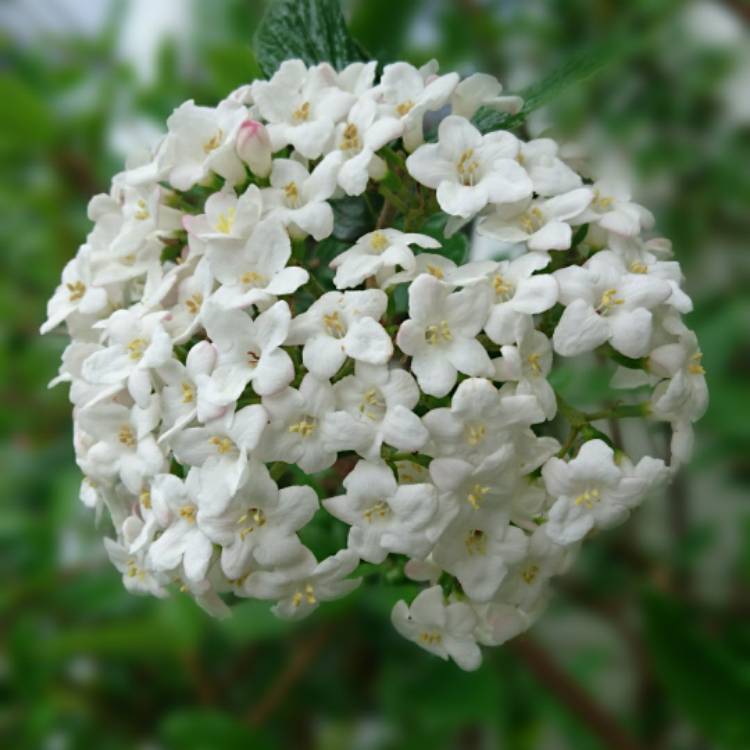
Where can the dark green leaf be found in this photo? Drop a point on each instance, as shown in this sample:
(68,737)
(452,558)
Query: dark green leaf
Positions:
(206,730)
(311,30)
(353,217)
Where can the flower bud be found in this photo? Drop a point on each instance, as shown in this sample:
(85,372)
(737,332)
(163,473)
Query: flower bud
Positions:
(254,147)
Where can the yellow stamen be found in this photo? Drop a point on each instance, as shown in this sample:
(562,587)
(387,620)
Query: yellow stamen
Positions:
(529,573)
(302,114)
(378,242)
(188,394)
(214,142)
(430,638)
(475,496)
(334,325)
(695,367)
(142,213)
(589,498)
(304,428)
(467,167)
(194,302)
(437,332)
(225,222)
(637,267)
(188,513)
(435,271)
(503,288)
(534,363)
(350,140)
(476,542)
(223,444)
(380,510)
(77,290)
(136,348)
(252,278)
(404,107)
(292,193)
(474,434)
(371,398)
(145,498)
(609,300)
(532,220)
(126,436)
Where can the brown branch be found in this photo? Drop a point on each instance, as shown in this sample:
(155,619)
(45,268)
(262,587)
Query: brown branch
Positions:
(301,659)
(596,718)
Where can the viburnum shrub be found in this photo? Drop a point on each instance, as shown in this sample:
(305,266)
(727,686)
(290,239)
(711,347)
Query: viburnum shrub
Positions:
(277,344)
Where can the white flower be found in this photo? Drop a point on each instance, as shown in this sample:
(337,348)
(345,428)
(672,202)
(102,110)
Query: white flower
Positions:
(441,268)
(301,106)
(299,199)
(604,302)
(227,216)
(446,630)
(258,526)
(375,405)
(76,293)
(341,325)
(466,489)
(137,344)
(297,433)
(440,334)
(543,224)
(682,398)
(378,253)
(613,210)
(479,420)
(592,491)
(201,140)
(183,397)
(528,363)
(477,550)
(355,142)
(248,351)
(527,579)
(137,576)
(221,448)
(518,293)
(301,590)
(384,516)
(470,170)
(123,444)
(482,90)
(408,94)
(498,622)
(182,543)
(193,293)
(549,174)
(257,272)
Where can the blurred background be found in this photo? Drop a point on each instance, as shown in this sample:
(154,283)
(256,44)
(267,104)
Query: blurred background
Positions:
(646,643)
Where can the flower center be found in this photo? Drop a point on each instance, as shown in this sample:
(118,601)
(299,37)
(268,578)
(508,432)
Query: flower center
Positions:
(532,220)
(194,302)
(252,278)
(476,542)
(306,594)
(438,332)
(188,513)
(142,213)
(291,194)
(430,638)
(435,271)
(637,267)
(255,518)
(334,325)
(188,394)
(305,427)
(503,288)
(476,494)
(378,242)
(136,347)
(603,202)
(372,405)
(222,444)
(126,437)
(695,367)
(133,571)
(475,433)
(225,222)
(145,499)
(609,300)
(404,107)
(77,290)
(302,114)
(350,140)
(381,510)
(214,142)
(589,498)
(529,574)
(252,358)
(534,363)
(467,167)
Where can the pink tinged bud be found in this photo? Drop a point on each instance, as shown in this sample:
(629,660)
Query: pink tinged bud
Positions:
(254,147)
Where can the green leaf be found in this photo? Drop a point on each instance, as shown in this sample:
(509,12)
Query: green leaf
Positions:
(311,30)
(354,217)
(578,69)
(207,729)
(699,674)
(455,247)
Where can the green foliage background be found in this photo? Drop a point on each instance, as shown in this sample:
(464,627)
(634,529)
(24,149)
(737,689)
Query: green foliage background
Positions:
(653,620)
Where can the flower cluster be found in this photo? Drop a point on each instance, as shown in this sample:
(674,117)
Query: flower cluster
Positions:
(225,379)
